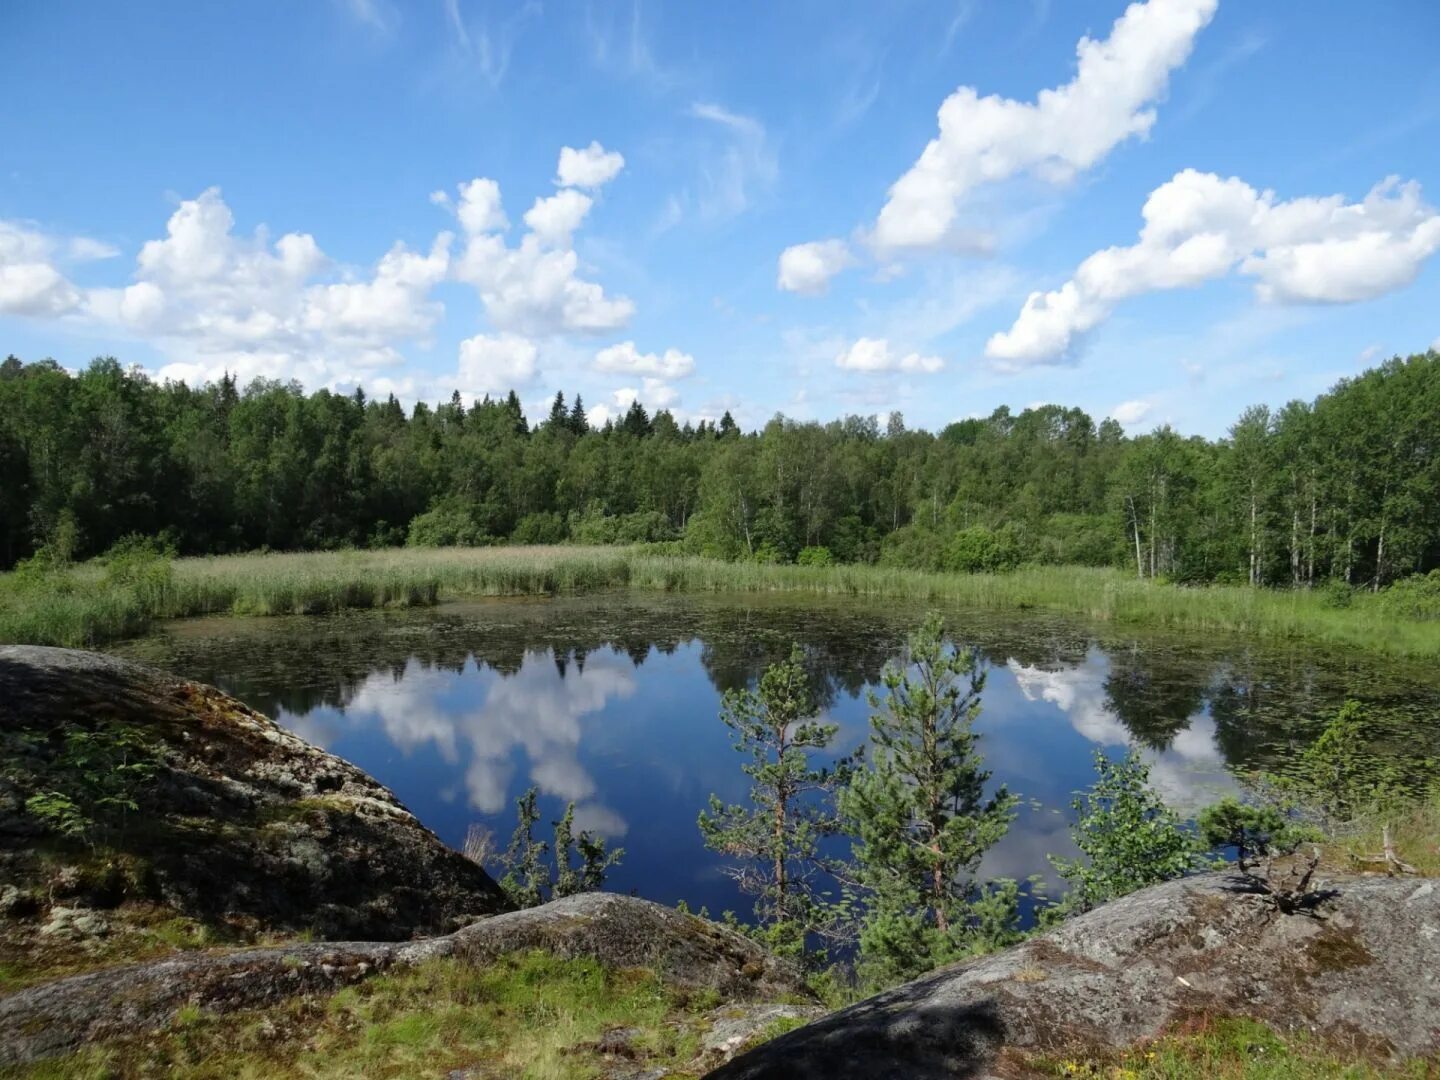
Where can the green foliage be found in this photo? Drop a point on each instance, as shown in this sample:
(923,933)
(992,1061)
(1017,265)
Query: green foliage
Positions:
(1343,488)
(578,863)
(1129,837)
(1254,831)
(775,838)
(539,529)
(595,526)
(814,556)
(448,523)
(978,550)
(88,780)
(1414,597)
(922,818)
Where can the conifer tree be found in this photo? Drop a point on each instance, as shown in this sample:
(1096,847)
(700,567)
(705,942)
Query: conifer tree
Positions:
(922,818)
(776,837)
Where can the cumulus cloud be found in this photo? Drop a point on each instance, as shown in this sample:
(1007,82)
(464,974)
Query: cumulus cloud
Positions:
(29,282)
(1200,226)
(875,355)
(495,364)
(535,287)
(625,358)
(554,220)
(1131,412)
(808,268)
(592,167)
(1067,129)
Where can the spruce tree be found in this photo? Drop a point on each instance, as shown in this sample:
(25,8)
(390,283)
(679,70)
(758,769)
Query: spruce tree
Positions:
(922,818)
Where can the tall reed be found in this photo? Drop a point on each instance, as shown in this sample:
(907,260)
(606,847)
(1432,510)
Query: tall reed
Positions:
(79,607)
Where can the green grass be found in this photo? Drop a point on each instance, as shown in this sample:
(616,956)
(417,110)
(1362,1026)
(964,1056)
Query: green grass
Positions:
(1414,832)
(80,607)
(1230,1049)
(528,1015)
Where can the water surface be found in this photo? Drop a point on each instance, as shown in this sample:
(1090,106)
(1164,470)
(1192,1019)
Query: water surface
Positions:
(611,701)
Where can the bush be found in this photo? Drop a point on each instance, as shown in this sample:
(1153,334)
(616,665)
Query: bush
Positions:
(815,556)
(448,523)
(539,529)
(1415,597)
(597,527)
(913,547)
(978,550)
(138,562)
(1336,594)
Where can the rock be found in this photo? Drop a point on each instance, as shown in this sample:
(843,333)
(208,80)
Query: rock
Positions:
(17,903)
(619,931)
(241,823)
(735,1027)
(74,923)
(1365,975)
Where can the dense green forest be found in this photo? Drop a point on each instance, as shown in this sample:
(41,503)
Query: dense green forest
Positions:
(1345,487)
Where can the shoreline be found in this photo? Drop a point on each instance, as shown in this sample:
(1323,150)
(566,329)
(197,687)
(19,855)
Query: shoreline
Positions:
(76,607)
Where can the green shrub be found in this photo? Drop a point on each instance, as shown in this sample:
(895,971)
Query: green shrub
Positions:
(978,550)
(815,556)
(539,529)
(597,527)
(913,547)
(448,523)
(1336,594)
(1414,597)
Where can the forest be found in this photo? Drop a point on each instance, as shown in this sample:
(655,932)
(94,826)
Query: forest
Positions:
(1344,488)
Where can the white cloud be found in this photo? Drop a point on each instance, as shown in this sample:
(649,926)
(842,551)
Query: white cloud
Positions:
(1067,129)
(554,220)
(84,249)
(808,268)
(535,287)
(875,355)
(626,358)
(745,163)
(1131,412)
(479,208)
(30,284)
(495,364)
(1199,226)
(592,167)
(393,304)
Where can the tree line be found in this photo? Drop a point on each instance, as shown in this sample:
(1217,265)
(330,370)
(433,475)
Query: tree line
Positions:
(1345,487)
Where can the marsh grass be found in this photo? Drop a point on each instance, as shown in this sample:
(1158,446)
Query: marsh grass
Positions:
(81,607)
(528,1015)
(1414,830)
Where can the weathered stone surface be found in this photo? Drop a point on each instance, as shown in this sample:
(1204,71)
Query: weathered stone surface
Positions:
(1365,975)
(243,823)
(619,931)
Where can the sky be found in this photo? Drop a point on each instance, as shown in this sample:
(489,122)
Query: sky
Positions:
(1162,213)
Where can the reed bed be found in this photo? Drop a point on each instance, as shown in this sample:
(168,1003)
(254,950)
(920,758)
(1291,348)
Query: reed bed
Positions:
(80,608)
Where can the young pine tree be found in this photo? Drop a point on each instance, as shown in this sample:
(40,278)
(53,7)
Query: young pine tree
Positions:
(530,879)
(922,818)
(776,838)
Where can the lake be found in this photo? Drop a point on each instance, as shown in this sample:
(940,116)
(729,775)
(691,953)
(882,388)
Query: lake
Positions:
(612,701)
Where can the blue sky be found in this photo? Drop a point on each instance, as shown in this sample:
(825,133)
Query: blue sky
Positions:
(1163,212)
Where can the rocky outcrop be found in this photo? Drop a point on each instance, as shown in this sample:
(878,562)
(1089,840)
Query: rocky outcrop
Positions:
(1364,973)
(619,931)
(152,789)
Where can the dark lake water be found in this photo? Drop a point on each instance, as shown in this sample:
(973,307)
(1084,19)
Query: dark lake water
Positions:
(613,701)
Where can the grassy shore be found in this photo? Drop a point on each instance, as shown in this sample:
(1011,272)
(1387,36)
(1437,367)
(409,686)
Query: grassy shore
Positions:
(83,606)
